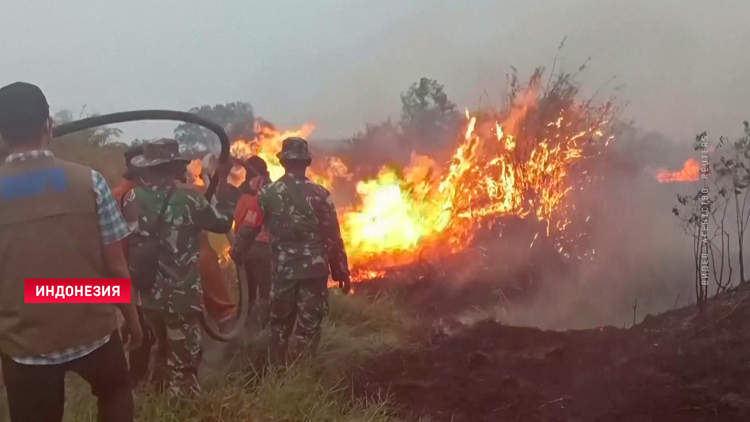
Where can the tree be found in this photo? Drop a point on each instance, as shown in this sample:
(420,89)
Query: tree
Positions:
(725,182)
(236,118)
(428,118)
(98,136)
(734,170)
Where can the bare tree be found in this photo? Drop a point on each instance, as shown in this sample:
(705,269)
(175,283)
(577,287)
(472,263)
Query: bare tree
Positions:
(733,169)
(692,219)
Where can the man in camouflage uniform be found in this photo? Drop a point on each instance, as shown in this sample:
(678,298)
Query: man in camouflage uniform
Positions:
(300,218)
(173,306)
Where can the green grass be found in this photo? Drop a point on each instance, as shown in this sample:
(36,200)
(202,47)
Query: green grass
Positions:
(305,391)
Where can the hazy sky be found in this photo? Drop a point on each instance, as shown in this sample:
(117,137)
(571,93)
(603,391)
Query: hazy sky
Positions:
(339,64)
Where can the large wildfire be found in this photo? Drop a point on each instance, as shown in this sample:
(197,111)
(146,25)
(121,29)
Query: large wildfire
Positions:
(520,161)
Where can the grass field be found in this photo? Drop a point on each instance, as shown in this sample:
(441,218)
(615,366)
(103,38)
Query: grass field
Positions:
(355,328)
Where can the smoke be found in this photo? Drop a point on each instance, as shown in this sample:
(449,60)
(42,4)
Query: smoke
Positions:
(642,256)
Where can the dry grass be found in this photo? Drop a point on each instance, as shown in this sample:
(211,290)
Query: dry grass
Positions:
(354,329)
(305,391)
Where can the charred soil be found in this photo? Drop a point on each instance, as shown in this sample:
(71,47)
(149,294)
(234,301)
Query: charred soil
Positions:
(682,365)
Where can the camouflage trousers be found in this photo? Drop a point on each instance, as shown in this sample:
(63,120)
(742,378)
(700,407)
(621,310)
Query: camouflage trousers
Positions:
(178,351)
(303,303)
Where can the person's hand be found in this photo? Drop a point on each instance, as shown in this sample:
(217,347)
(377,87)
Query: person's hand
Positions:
(132,335)
(345,285)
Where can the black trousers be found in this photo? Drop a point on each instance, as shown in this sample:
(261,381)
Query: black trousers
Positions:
(258,271)
(36,393)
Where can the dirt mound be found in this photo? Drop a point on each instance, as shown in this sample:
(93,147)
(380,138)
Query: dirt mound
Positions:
(679,366)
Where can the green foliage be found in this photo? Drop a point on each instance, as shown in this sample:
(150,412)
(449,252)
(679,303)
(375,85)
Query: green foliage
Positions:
(429,123)
(237,118)
(428,118)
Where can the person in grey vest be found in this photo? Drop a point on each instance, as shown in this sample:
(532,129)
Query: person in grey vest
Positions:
(57,220)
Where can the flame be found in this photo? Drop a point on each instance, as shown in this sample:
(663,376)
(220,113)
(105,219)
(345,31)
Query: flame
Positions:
(235,177)
(491,174)
(498,168)
(689,173)
(194,171)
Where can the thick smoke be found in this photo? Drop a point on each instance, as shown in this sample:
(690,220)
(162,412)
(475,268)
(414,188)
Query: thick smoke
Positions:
(642,256)
(640,251)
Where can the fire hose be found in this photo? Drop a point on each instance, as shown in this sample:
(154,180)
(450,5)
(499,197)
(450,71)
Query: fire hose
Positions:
(224,157)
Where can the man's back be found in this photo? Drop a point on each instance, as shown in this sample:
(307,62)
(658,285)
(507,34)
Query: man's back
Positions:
(178,286)
(293,208)
(48,229)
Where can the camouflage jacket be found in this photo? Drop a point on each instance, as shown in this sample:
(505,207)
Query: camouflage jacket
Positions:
(300,218)
(178,285)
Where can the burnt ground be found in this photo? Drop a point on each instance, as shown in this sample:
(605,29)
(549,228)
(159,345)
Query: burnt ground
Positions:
(678,366)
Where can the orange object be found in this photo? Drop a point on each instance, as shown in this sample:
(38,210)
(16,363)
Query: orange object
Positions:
(215,293)
(247,212)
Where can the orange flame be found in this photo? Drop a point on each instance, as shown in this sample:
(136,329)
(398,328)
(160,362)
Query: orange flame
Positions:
(433,212)
(689,173)
(193,173)
(429,210)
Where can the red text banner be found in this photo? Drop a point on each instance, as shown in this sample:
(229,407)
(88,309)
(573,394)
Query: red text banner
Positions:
(77,290)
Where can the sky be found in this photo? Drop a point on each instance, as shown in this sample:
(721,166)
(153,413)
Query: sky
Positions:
(341,64)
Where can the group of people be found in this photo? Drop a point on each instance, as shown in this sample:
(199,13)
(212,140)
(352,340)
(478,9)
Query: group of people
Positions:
(60,220)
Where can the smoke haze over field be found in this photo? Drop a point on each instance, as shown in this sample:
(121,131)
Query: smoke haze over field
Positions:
(340,64)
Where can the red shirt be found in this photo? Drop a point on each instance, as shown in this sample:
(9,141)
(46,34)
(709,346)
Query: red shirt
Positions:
(121,190)
(248,212)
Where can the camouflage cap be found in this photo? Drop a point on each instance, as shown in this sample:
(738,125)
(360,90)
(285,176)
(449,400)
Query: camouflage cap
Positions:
(162,151)
(294,149)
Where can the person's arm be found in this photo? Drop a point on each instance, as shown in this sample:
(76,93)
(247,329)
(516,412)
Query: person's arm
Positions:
(113,229)
(117,267)
(119,193)
(331,232)
(213,218)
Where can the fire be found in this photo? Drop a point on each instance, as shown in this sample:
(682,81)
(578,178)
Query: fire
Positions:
(515,162)
(689,173)
(495,171)
(194,171)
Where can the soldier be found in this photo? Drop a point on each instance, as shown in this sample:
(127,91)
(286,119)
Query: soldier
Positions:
(305,242)
(138,358)
(172,306)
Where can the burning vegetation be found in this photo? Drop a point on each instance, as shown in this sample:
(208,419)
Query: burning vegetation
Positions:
(523,160)
(688,173)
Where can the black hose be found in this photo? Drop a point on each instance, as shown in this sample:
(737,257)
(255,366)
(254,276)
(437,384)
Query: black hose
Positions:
(132,116)
(181,116)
